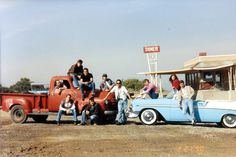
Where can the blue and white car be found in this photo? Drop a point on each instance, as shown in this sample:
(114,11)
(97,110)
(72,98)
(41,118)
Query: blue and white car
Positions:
(169,110)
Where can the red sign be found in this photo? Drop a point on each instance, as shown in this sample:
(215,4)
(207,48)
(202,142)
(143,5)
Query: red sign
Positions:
(151,49)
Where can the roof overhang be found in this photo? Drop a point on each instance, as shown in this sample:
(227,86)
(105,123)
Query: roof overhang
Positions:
(188,70)
(166,72)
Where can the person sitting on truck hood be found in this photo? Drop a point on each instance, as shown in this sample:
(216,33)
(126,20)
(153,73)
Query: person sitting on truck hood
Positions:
(76,71)
(86,81)
(106,84)
(67,106)
(92,111)
(59,87)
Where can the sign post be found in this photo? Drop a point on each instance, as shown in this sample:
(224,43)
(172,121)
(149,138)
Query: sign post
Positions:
(152,53)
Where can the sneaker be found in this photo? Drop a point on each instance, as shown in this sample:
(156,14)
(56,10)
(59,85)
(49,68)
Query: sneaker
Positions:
(58,123)
(75,123)
(83,124)
(193,122)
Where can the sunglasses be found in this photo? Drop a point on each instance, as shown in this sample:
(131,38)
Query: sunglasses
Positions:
(118,82)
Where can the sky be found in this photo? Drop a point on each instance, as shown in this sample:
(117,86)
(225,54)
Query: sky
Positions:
(41,39)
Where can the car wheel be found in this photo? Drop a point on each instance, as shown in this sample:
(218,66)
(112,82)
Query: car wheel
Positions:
(148,117)
(229,121)
(40,118)
(18,115)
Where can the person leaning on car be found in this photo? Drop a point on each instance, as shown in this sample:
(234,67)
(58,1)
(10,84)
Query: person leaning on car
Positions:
(186,93)
(122,95)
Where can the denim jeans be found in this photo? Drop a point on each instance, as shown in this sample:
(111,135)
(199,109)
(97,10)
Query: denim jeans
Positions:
(75,80)
(93,118)
(122,107)
(90,86)
(59,114)
(153,94)
(188,104)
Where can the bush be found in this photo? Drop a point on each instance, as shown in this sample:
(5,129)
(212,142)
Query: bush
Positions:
(133,85)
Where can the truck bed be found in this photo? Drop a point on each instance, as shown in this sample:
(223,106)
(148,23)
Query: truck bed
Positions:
(32,102)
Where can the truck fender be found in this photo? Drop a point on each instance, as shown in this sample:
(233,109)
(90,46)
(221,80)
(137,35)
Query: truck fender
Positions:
(26,104)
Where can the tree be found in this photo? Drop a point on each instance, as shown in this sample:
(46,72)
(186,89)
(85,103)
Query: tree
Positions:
(22,86)
(133,85)
(4,89)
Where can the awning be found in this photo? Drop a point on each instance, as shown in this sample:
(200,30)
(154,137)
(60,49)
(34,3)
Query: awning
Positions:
(213,65)
(179,71)
(199,67)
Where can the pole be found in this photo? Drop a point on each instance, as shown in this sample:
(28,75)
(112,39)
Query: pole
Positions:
(149,66)
(160,91)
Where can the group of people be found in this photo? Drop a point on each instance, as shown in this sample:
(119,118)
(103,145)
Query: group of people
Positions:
(83,80)
(92,111)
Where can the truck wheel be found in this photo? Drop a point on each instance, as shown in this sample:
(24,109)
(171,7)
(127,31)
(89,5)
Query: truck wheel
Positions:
(18,115)
(40,118)
(148,117)
(229,121)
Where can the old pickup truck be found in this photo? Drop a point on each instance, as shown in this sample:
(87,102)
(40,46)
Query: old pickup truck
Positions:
(40,105)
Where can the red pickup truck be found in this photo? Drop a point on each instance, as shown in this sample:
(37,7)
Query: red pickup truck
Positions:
(40,106)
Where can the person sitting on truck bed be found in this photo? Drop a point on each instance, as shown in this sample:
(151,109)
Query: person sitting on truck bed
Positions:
(59,87)
(76,71)
(106,84)
(67,106)
(86,82)
(92,111)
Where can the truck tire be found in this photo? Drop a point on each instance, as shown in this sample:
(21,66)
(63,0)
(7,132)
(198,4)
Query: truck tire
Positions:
(18,114)
(40,118)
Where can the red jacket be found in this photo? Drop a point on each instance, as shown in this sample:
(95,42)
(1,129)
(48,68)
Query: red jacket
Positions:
(175,84)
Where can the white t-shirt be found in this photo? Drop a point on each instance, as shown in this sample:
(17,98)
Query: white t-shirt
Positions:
(68,105)
(187,92)
(120,93)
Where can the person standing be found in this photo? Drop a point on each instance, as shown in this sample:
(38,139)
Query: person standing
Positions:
(67,106)
(106,84)
(122,95)
(92,111)
(150,89)
(86,82)
(186,93)
(76,71)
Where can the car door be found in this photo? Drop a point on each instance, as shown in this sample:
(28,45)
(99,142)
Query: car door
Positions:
(176,112)
(55,98)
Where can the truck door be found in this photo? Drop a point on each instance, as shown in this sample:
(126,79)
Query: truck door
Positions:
(57,95)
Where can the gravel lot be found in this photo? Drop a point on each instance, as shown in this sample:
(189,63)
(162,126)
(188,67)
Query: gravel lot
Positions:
(134,139)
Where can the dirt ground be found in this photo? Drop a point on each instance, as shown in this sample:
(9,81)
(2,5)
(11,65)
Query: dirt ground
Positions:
(134,139)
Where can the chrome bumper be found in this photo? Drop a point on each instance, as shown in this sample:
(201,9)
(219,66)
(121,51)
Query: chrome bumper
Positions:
(110,113)
(133,114)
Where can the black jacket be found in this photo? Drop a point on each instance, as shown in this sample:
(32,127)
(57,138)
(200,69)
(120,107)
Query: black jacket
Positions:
(94,110)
